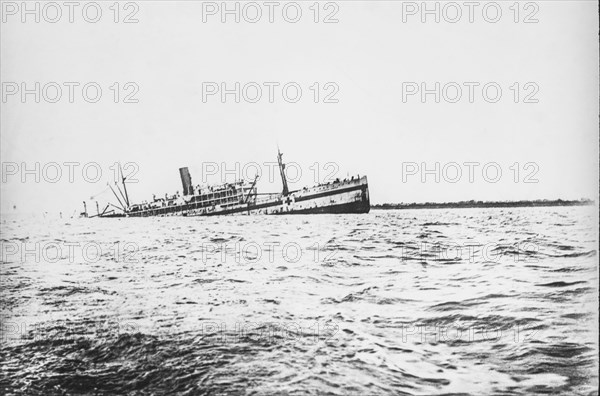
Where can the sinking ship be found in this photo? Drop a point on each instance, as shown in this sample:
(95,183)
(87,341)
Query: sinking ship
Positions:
(242,198)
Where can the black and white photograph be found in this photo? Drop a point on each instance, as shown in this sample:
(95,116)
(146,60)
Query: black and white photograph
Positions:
(309,197)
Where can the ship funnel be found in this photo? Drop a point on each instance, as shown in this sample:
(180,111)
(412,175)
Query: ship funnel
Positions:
(186,181)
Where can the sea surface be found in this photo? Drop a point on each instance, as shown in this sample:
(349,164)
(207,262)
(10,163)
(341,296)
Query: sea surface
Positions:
(398,302)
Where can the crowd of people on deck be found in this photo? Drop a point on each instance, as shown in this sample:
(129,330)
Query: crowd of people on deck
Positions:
(336,181)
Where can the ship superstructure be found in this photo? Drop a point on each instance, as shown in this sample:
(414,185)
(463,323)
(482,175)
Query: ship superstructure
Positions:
(350,195)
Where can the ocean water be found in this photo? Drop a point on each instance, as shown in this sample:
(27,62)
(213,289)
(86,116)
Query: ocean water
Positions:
(413,302)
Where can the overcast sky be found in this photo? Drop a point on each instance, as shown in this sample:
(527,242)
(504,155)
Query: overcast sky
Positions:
(368,56)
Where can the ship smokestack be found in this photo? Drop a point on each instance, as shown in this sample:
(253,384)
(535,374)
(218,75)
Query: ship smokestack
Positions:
(186,181)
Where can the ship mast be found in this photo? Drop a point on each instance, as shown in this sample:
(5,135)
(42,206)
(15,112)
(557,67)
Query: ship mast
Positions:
(116,196)
(124,186)
(282,172)
(251,187)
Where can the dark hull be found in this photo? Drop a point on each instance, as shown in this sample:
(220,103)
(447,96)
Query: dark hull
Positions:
(352,207)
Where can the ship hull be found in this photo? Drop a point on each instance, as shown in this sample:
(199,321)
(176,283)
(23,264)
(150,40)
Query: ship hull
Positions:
(351,207)
(348,196)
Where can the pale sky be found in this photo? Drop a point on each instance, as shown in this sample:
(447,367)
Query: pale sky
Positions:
(371,131)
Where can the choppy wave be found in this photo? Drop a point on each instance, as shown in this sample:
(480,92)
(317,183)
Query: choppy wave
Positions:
(468,301)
